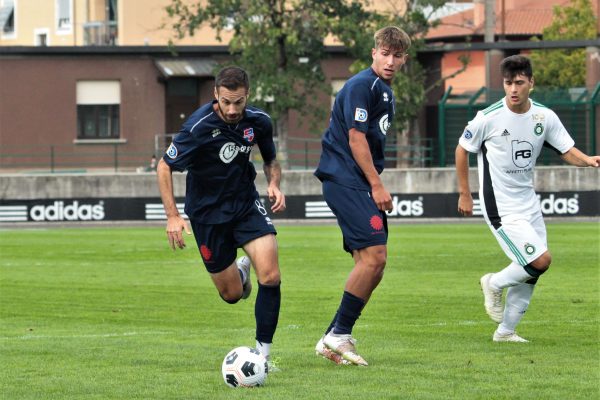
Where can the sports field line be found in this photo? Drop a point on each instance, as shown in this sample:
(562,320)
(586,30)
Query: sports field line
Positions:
(289,327)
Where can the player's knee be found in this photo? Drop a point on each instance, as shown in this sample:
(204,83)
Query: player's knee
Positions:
(230,297)
(270,278)
(540,265)
(376,263)
(543,262)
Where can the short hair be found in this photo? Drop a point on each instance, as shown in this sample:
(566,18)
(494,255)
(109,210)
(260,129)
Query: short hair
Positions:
(232,78)
(516,65)
(392,37)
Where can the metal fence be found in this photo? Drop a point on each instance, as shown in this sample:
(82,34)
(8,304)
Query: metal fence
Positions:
(577,108)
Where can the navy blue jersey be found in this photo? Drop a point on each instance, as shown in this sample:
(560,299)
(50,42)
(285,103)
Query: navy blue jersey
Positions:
(365,103)
(220,178)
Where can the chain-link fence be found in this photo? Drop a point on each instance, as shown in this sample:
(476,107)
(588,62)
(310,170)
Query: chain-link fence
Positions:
(577,108)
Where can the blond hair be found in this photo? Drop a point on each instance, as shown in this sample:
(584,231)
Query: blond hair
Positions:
(393,38)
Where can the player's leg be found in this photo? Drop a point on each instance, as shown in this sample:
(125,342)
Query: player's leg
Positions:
(524,241)
(218,254)
(364,229)
(256,235)
(519,296)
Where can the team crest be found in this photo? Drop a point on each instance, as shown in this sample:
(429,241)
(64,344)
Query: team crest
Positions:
(249,134)
(467,134)
(529,248)
(539,129)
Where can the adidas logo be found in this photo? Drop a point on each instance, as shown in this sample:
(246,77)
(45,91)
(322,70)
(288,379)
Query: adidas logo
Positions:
(506,133)
(216,132)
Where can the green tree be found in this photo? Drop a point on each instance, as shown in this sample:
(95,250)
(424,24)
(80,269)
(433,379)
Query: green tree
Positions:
(564,68)
(280,44)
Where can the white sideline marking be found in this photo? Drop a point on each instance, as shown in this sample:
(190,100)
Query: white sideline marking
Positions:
(90,336)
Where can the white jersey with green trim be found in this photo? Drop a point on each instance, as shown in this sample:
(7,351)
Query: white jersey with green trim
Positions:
(507,146)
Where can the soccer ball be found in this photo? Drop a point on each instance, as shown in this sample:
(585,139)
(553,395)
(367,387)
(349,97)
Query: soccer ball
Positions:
(244,367)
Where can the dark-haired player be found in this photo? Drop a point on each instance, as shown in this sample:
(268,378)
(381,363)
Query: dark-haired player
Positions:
(221,200)
(508,137)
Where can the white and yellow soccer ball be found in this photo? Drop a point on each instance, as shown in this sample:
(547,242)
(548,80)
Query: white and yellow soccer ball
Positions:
(244,367)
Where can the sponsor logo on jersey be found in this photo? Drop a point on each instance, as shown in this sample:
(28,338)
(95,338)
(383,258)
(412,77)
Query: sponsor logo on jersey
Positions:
(384,124)
(230,150)
(360,115)
(216,132)
(538,117)
(505,133)
(467,134)
(59,211)
(385,97)
(553,205)
(529,248)
(172,151)
(538,129)
(249,134)
(522,153)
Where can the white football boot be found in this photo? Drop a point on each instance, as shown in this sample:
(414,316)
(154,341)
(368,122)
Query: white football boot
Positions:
(344,345)
(323,351)
(509,337)
(243,263)
(492,299)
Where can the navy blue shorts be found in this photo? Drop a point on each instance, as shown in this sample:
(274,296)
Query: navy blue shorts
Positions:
(362,223)
(218,243)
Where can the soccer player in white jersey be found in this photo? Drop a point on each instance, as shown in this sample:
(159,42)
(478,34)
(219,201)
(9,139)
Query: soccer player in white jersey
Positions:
(508,137)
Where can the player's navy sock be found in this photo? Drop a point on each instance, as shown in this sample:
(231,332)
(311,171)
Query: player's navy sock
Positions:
(266,311)
(332,324)
(348,313)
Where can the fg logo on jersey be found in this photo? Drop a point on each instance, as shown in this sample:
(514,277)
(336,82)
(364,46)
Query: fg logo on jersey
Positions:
(522,152)
(360,115)
(384,124)
(172,151)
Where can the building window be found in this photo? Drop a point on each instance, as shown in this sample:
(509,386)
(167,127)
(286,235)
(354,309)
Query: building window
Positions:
(63,15)
(98,109)
(7,17)
(41,37)
(336,86)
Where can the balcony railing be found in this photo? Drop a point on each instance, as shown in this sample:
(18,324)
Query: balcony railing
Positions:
(100,33)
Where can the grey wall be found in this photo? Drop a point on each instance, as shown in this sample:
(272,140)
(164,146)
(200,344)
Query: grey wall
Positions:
(431,180)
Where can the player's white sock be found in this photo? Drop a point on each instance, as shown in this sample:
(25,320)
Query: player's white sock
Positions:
(512,275)
(516,303)
(264,348)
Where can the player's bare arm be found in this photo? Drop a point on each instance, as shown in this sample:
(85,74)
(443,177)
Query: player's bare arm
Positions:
(465,200)
(273,173)
(175,223)
(576,157)
(362,156)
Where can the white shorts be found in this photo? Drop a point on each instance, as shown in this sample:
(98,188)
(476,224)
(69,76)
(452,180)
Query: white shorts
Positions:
(522,237)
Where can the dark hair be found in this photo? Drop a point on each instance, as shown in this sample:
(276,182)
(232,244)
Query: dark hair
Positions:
(232,78)
(392,37)
(516,65)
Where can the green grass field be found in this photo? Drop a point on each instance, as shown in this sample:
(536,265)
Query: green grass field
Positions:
(112,313)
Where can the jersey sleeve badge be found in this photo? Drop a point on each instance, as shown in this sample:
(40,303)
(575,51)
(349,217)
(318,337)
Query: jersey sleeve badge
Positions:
(172,151)
(360,115)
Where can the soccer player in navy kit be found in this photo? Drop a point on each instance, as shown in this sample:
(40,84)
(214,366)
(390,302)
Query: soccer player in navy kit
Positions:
(221,200)
(351,160)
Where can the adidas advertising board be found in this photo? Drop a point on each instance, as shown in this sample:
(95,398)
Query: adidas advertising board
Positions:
(405,206)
